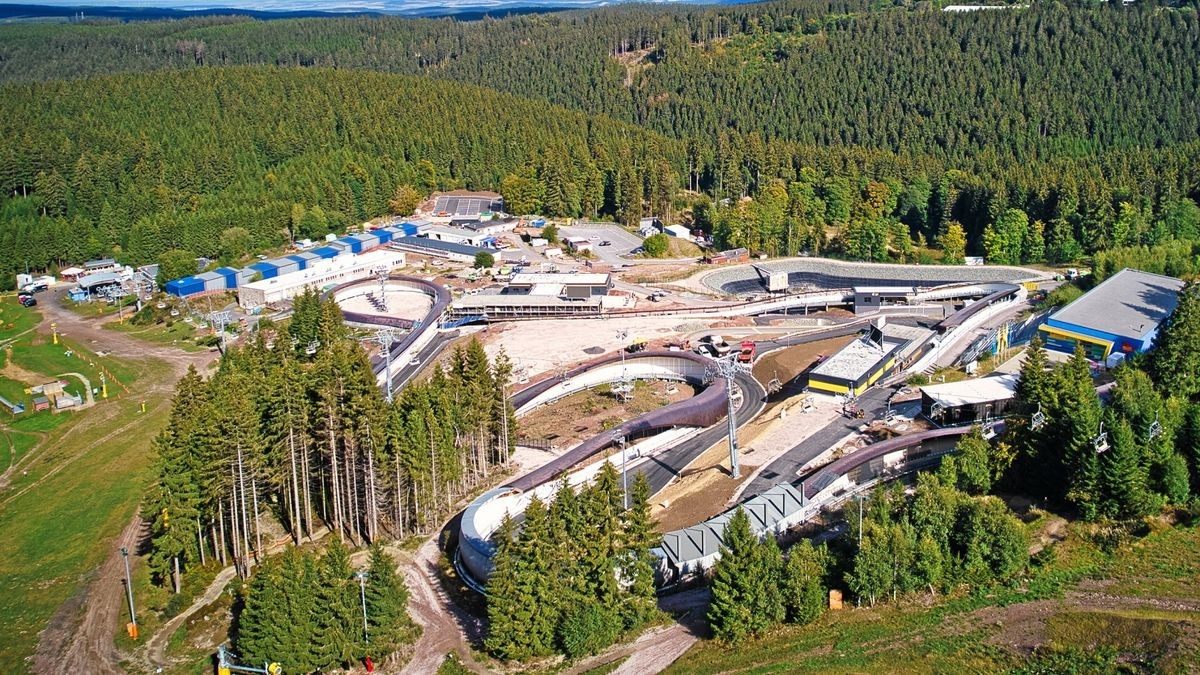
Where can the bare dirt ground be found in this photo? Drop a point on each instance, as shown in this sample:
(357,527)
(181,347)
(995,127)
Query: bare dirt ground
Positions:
(584,414)
(79,638)
(787,363)
(446,628)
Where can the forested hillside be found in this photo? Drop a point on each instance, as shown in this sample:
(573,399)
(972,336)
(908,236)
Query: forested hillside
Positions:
(1042,134)
(140,164)
(1041,82)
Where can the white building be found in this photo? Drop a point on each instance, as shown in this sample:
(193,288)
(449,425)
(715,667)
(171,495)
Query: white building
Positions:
(578,244)
(328,272)
(459,235)
(678,231)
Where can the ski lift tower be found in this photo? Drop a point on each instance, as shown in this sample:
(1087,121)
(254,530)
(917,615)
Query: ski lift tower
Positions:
(226,665)
(729,368)
(386,337)
(218,320)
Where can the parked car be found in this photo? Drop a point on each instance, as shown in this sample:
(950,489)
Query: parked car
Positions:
(606,243)
(28,301)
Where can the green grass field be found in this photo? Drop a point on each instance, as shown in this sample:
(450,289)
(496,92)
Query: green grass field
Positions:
(15,319)
(61,513)
(179,334)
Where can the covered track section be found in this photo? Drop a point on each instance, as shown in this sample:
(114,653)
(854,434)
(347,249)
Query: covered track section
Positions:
(692,550)
(671,430)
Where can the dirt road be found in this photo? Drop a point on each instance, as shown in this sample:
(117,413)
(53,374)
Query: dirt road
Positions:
(91,333)
(446,627)
(75,643)
(156,647)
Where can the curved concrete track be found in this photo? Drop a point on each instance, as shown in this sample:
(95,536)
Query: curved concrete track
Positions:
(480,519)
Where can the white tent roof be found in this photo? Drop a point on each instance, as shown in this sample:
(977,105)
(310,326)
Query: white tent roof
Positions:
(971,392)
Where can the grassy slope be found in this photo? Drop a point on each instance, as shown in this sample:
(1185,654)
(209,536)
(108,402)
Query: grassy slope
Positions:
(967,634)
(61,512)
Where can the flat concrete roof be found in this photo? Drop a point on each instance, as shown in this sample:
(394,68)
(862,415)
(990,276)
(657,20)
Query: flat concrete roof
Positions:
(972,392)
(856,359)
(497,300)
(534,278)
(1130,303)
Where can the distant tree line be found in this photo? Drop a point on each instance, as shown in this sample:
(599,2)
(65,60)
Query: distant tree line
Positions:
(293,425)
(576,574)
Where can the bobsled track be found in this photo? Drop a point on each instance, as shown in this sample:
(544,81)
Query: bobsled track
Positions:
(663,442)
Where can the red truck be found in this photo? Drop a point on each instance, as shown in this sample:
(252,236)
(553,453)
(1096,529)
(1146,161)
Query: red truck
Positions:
(747,353)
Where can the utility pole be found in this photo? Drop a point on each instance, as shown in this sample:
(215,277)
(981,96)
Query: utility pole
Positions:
(362,591)
(728,368)
(859,499)
(129,592)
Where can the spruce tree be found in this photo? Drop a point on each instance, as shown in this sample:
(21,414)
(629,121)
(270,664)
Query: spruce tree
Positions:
(1175,361)
(637,563)
(730,613)
(803,587)
(262,622)
(1122,480)
(387,599)
(539,612)
(505,596)
(339,620)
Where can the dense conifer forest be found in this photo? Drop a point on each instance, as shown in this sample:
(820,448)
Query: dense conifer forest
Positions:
(1041,134)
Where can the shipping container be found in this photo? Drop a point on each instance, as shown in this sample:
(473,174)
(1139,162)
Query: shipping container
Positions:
(327,252)
(266,269)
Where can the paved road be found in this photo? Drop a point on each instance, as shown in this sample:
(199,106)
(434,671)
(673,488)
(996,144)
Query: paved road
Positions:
(787,465)
(623,241)
(662,469)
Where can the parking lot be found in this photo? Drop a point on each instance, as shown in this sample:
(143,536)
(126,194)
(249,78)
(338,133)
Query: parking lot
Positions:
(623,241)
